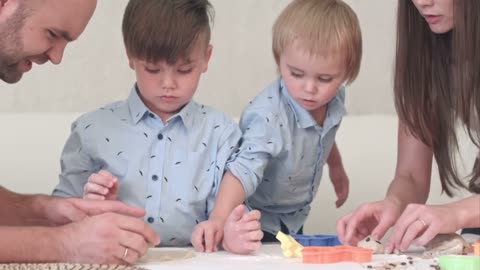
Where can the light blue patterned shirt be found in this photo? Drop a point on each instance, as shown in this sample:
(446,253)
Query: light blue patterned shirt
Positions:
(172,171)
(282,154)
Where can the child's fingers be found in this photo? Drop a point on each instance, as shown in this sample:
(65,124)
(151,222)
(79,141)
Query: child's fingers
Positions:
(209,239)
(341,200)
(109,177)
(218,239)
(106,174)
(101,180)
(250,226)
(251,216)
(91,187)
(92,196)
(254,236)
(197,239)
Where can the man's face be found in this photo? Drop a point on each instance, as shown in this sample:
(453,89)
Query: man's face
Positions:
(37,31)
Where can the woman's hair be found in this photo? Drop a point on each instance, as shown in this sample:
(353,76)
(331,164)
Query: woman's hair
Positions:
(435,84)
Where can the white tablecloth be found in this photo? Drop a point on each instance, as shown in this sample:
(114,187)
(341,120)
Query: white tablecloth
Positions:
(270,257)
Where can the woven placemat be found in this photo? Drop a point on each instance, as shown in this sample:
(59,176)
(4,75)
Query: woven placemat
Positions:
(65,266)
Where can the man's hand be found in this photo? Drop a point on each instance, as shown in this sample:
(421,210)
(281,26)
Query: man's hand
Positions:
(106,239)
(59,211)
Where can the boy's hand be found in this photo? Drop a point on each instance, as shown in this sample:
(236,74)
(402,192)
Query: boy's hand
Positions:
(101,186)
(340,182)
(207,235)
(243,232)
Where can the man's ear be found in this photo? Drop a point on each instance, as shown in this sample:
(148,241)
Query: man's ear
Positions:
(7,9)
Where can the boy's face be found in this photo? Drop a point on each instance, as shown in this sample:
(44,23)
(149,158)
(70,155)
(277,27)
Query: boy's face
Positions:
(312,80)
(166,88)
(39,34)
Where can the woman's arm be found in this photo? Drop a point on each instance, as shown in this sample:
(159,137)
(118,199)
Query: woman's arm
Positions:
(411,183)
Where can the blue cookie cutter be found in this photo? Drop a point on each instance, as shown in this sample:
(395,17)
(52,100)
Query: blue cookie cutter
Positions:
(318,240)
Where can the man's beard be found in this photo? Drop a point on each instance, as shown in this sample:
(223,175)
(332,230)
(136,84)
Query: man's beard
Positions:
(11,47)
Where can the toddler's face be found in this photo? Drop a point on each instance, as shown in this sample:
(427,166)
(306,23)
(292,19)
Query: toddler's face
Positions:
(312,80)
(166,88)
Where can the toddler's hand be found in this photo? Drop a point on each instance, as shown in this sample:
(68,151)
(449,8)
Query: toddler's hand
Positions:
(340,182)
(207,235)
(243,232)
(101,186)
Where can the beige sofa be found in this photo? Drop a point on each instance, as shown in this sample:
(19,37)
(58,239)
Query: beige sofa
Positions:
(31,143)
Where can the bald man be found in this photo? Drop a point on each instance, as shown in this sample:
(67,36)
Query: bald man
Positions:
(38,228)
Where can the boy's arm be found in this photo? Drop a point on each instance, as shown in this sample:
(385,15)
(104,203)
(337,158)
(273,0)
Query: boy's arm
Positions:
(230,195)
(76,165)
(261,140)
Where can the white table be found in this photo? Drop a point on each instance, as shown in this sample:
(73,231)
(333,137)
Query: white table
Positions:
(268,257)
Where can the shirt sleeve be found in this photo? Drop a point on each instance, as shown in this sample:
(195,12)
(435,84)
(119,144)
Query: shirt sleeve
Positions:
(228,143)
(76,165)
(262,140)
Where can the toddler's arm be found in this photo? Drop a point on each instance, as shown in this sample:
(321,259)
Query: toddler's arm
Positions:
(338,176)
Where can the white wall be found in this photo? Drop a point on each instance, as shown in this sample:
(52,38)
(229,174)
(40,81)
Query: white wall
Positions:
(95,71)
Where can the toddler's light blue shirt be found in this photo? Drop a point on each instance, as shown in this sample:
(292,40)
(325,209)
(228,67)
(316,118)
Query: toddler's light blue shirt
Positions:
(173,171)
(281,156)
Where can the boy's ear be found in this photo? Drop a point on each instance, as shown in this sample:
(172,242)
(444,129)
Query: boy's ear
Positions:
(131,64)
(130,61)
(208,55)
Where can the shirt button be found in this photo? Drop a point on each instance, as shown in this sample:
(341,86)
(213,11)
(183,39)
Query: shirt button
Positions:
(154,177)
(160,136)
(151,115)
(150,220)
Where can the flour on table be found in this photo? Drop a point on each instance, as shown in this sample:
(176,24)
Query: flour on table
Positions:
(159,255)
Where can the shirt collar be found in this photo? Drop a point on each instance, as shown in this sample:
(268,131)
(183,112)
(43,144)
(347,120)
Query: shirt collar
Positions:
(136,106)
(335,111)
(187,114)
(138,110)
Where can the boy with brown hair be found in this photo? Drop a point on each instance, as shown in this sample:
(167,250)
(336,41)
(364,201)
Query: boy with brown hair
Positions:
(159,149)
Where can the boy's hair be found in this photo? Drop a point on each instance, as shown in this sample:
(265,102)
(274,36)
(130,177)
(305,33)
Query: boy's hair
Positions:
(155,30)
(321,26)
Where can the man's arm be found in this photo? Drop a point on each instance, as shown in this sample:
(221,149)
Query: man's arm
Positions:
(30,244)
(107,238)
(17,209)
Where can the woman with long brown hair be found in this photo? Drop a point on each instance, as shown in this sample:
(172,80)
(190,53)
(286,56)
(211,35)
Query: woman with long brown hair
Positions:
(437,90)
